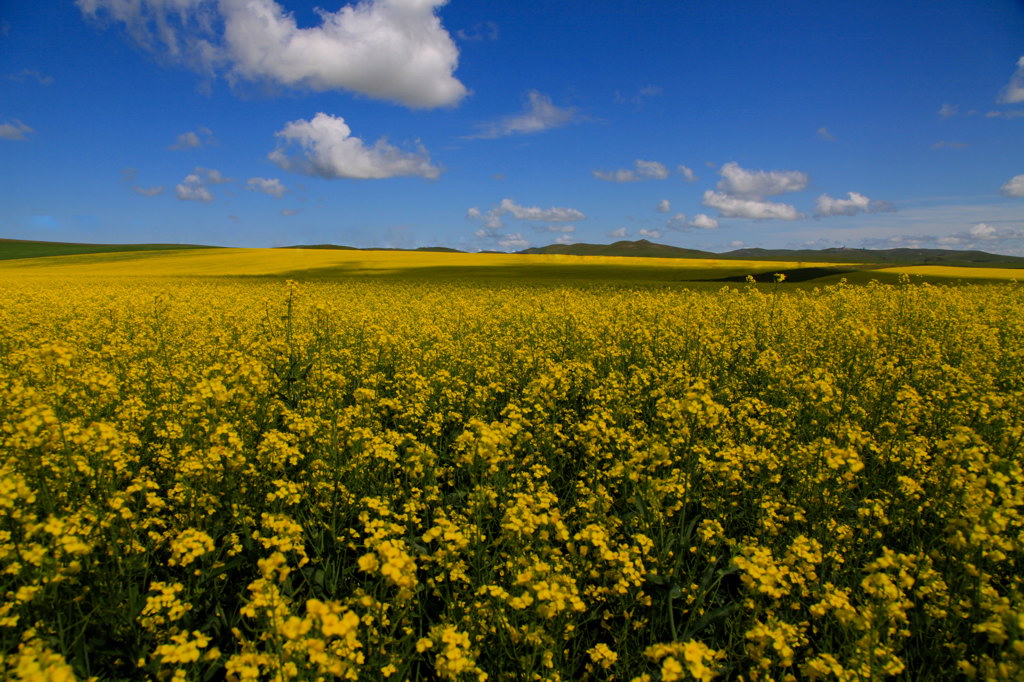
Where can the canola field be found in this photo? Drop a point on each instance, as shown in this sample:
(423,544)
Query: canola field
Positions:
(248,479)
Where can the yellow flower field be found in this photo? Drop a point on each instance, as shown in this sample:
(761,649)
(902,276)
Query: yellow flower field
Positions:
(403,479)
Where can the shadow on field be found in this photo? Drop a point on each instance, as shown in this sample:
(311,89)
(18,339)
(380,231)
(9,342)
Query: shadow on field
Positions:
(561,274)
(793,275)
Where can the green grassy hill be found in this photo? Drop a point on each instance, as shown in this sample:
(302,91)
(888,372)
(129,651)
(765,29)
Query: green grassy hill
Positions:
(23,248)
(636,249)
(882,256)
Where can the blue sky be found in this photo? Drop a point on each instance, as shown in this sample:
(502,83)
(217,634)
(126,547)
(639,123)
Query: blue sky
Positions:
(502,125)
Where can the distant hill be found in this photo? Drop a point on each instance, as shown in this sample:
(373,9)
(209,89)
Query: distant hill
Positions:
(319,246)
(647,249)
(26,248)
(637,249)
(435,249)
(881,256)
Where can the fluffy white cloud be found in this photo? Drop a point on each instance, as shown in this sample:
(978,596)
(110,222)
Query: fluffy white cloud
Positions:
(824,134)
(619,233)
(856,203)
(148,191)
(756,209)
(193,192)
(492,218)
(702,221)
(826,205)
(983,231)
(948,110)
(653,234)
(1014,187)
(395,50)
(327,149)
(193,187)
(1014,90)
(664,206)
(539,115)
(271,186)
(643,170)
(564,239)
(687,173)
(739,182)
(15,131)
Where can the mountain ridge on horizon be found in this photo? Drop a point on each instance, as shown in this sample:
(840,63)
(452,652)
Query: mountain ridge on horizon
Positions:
(641,248)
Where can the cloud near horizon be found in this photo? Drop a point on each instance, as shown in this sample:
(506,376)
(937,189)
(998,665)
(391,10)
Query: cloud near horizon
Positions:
(327,149)
(394,50)
(743,183)
(741,193)
(856,203)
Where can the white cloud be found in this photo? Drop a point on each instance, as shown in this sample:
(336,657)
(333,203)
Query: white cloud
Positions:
(554,214)
(664,206)
(539,115)
(1014,90)
(620,233)
(687,173)
(952,144)
(1014,187)
(186,141)
(288,212)
(702,221)
(740,182)
(948,110)
(756,209)
(564,239)
(488,30)
(394,50)
(328,150)
(271,186)
(824,134)
(193,187)
(1005,114)
(148,191)
(513,241)
(983,231)
(653,234)
(856,203)
(15,131)
(492,218)
(191,139)
(676,222)
(564,229)
(643,170)
(188,191)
